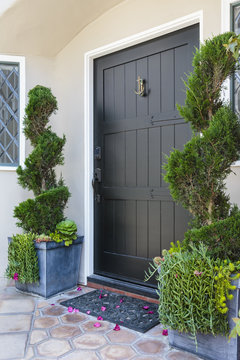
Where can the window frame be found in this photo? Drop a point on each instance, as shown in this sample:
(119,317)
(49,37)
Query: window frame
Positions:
(20,60)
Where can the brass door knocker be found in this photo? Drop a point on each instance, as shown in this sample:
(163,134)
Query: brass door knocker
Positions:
(140,91)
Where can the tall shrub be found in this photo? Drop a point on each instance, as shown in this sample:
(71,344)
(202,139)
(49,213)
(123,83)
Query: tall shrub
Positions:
(46,210)
(196,175)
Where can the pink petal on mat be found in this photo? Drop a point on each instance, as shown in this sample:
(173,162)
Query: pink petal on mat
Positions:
(99,318)
(76,310)
(145,307)
(121,300)
(79,288)
(103,308)
(105,295)
(117,327)
(88,312)
(165,332)
(150,312)
(118,306)
(70,309)
(100,296)
(52,304)
(97,325)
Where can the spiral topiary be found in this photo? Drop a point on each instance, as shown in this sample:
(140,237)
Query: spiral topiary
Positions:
(196,175)
(46,210)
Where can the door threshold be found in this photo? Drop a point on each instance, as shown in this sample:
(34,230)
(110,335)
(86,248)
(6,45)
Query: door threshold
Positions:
(125,288)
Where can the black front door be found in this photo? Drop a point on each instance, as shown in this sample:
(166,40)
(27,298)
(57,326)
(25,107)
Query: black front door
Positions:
(135,216)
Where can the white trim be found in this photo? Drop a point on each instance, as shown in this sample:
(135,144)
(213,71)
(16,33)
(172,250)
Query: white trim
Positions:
(22,90)
(226,26)
(171,26)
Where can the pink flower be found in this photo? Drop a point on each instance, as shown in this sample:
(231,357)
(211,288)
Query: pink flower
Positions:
(176,275)
(197,273)
(70,309)
(88,312)
(100,296)
(79,288)
(165,332)
(97,325)
(99,318)
(117,327)
(118,306)
(103,308)
(150,312)
(145,307)
(15,276)
(76,310)
(121,300)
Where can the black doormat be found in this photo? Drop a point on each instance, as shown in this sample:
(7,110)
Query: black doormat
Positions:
(130,312)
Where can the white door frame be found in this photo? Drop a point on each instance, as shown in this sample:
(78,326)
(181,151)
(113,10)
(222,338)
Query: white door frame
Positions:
(149,34)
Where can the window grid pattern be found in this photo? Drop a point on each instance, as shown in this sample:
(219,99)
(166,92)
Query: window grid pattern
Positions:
(9,114)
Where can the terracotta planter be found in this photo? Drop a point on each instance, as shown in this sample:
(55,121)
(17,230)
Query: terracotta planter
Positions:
(58,268)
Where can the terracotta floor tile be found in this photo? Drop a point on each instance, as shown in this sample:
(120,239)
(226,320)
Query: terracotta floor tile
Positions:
(14,323)
(181,355)
(45,322)
(53,348)
(73,318)
(147,346)
(54,311)
(17,304)
(117,352)
(65,331)
(122,336)
(37,336)
(89,326)
(89,341)
(81,355)
(7,350)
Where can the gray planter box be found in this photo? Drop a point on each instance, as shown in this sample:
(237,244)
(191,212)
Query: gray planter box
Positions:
(212,347)
(58,268)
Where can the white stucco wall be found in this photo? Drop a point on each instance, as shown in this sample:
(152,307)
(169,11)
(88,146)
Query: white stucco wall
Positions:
(38,71)
(65,75)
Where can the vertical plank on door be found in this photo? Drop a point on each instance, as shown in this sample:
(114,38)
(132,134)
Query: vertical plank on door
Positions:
(142,228)
(154,157)
(142,101)
(142,157)
(109,163)
(181,67)
(120,226)
(167,81)
(167,219)
(181,222)
(154,84)
(109,224)
(131,227)
(130,86)
(167,141)
(183,134)
(131,154)
(119,159)
(108,95)
(119,89)
(154,239)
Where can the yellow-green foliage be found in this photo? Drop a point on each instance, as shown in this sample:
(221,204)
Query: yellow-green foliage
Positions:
(22,259)
(193,288)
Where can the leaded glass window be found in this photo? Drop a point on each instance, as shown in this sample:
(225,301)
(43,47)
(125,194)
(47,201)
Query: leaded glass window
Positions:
(236,81)
(9,114)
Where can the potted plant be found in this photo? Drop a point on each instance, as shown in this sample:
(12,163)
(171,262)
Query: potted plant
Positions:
(198,291)
(42,217)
